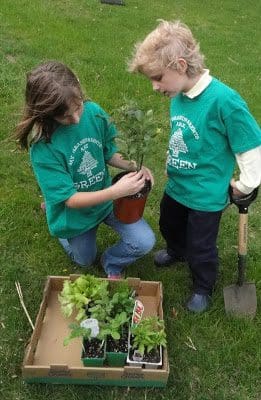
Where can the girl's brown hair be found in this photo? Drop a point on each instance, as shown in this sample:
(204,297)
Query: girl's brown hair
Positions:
(51,88)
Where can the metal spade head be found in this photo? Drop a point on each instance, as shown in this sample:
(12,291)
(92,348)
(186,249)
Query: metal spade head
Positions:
(241,300)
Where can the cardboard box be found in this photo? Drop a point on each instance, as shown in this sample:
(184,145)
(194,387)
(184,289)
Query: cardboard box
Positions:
(47,360)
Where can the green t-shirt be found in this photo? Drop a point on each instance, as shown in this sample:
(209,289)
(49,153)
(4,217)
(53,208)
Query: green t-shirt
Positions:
(206,133)
(75,161)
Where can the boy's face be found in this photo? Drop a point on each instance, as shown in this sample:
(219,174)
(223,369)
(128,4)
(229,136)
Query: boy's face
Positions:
(171,82)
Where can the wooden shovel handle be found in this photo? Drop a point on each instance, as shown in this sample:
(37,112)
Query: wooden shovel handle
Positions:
(242,234)
(242,247)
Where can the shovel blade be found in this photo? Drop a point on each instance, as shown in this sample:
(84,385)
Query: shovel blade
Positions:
(241,300)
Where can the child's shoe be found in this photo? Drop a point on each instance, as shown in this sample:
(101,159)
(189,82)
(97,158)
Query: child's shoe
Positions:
(163,259)
(198,302)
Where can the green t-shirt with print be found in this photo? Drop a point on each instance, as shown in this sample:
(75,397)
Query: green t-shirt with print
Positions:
(75,161)
(206,133)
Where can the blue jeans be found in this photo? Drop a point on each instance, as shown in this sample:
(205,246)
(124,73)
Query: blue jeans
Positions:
(136,240)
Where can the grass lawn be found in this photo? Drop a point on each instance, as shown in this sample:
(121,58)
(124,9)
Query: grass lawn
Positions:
(95,40)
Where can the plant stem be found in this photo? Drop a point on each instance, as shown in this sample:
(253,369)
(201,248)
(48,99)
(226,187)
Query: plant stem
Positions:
(141,162)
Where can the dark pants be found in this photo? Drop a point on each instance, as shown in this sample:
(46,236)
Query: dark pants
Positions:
(192,235)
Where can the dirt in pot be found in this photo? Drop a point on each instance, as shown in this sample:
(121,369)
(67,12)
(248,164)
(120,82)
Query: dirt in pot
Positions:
(118,346)
(146,188)
(152,356)
(93,348)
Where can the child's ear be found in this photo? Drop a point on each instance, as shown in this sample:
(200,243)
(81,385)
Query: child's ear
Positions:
(182,66)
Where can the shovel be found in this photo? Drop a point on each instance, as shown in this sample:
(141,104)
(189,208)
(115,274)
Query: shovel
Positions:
(240,298)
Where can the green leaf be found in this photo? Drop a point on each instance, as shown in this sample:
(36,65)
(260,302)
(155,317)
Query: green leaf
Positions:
(137,127)
(115,335)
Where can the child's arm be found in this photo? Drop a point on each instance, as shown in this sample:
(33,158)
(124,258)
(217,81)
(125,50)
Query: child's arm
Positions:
(249,164)
(126,186)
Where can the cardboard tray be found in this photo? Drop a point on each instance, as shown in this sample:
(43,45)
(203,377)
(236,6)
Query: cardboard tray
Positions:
(47,360)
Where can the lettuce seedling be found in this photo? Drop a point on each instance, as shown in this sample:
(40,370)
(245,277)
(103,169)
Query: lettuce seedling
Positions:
(78,294)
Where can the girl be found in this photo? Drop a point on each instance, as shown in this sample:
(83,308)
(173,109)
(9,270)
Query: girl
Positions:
(71,142)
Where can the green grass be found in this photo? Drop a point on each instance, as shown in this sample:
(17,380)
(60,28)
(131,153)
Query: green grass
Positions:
(95,40)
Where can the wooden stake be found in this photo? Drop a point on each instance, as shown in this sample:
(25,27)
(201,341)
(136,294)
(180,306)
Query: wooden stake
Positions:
(20,294)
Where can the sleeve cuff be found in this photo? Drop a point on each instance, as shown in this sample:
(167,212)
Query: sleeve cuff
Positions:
(243,188)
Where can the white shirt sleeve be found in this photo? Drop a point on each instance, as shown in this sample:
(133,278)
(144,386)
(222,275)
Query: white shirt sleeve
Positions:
(249,164)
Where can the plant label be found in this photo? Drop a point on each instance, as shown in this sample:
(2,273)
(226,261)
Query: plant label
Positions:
(91,323)
(137,312)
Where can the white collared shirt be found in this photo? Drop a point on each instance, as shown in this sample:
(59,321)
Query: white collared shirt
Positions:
(201,85)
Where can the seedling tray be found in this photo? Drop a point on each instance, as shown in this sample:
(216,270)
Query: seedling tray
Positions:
(47,360)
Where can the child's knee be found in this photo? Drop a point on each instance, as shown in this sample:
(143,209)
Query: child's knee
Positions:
(145,243)
(84,261)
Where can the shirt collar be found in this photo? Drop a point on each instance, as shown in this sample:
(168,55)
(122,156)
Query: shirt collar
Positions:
(201,85)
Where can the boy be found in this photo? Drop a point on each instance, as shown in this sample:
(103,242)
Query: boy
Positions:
(211,128)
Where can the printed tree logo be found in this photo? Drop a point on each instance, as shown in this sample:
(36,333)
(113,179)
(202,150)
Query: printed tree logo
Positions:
(87,164)
(177,144)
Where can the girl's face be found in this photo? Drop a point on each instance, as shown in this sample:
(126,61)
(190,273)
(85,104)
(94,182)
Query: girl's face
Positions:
(71,116)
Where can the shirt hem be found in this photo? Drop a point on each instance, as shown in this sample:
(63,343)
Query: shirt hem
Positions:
(91,226)
(193,206)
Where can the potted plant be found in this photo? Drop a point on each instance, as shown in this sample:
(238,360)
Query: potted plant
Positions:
(117,330)
(113,314)
(136,129)
(122,303)
(93,342)
(79,296)
(103,313)
(146,340)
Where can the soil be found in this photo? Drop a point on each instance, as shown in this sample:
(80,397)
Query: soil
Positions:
(151,357)
(146,188)
(118,346)
(93,349)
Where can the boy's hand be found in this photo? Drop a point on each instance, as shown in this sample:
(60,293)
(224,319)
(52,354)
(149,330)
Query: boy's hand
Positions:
(242,202)
(236,192)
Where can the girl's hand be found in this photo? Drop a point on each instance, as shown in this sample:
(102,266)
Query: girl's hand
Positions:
(148,175)
(129,184)
(236,192)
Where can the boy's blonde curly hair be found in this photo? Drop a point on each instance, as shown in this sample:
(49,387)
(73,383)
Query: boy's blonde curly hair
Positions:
(163,47)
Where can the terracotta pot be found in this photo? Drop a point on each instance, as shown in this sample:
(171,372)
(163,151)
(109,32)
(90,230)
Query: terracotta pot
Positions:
(130,209)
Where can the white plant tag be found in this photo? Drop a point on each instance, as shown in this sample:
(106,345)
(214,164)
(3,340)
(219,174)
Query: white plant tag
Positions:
(137,312)
(91,323)
(137,356)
